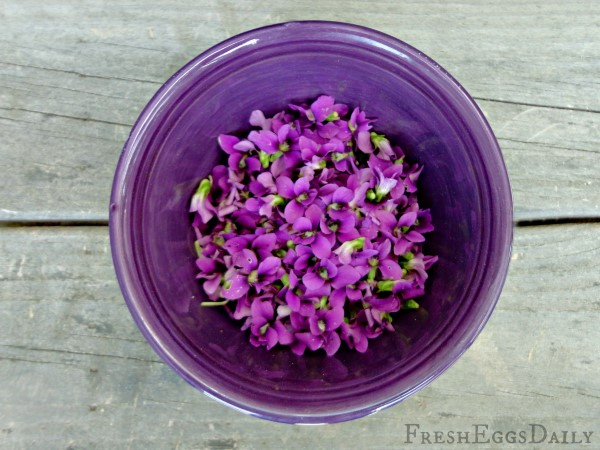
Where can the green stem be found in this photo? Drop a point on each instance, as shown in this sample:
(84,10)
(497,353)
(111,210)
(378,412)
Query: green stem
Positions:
(211,304)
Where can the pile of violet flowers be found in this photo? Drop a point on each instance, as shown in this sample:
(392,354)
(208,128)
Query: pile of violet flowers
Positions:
(312,233)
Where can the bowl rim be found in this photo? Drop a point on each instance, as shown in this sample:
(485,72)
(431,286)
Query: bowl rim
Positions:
(117,230)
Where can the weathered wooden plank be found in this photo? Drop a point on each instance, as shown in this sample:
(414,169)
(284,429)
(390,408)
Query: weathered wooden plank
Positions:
(76,373)
(552,157)
(70,87)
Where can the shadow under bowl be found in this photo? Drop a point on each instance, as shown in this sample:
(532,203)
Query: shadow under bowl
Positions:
(174,144)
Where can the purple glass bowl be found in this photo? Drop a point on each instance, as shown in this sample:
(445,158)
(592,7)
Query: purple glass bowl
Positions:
(174,143)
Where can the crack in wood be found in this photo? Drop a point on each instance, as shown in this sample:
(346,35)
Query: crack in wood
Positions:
(71,352)
(80,74)
(66,116)
(536,105)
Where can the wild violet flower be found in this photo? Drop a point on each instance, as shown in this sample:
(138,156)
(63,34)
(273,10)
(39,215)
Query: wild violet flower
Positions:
(311,235)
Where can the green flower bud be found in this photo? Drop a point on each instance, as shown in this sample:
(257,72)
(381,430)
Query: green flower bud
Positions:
(333,116)
(264,159)
(275,156)
(253,277)
(204,187)
(321,325)
(198,248)
(386,285)
(410,304)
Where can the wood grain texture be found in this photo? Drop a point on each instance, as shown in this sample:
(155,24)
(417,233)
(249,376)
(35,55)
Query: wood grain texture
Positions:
(76,373)
(74,76)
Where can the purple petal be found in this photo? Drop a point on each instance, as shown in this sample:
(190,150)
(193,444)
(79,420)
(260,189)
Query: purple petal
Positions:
(387,304)
(387,219)
(227,142)
(293,211)
(348,236)
(384,249)
(257,188)
(278,167)
(342,195)
(321,247)
(269,266)
(212,285)
(262,310)
(245,218)
(363,142)
(246,259)
(323,291)
(429,261)
(301,263)
(312,194)
(271,337)
(253,164)
(346,275)
(390,269)
(282,133)
(284,335)
(354,294)
(334,318)
(265,140)
(291,159)
(414,236)
(235,245)
(205,209)
(332,343)
(313,323)
(402,286)
(314,214)
(307,310)
(412,293)
(253,204)
(355,337)
(337,299)
(267,208)
(408,219)
(401,246)
(266,179)
(322,107)
(301,186)
(239,286)
(265,242)
(313,281)
(302,224)
(235,159)
(292,300)
(244,146)
(312,342)
(285,187)
(341,109)
(328,131)
(206,265)
(308,147)
(347,222)
(257,119)
(330,267)
(298,348)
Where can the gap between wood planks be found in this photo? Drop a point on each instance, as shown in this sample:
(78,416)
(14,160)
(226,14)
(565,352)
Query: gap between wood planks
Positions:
(104,223)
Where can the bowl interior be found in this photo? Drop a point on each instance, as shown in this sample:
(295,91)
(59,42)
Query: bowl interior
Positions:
(174,144)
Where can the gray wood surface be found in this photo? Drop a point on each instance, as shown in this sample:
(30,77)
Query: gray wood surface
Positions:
(74,76)
(75,371)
